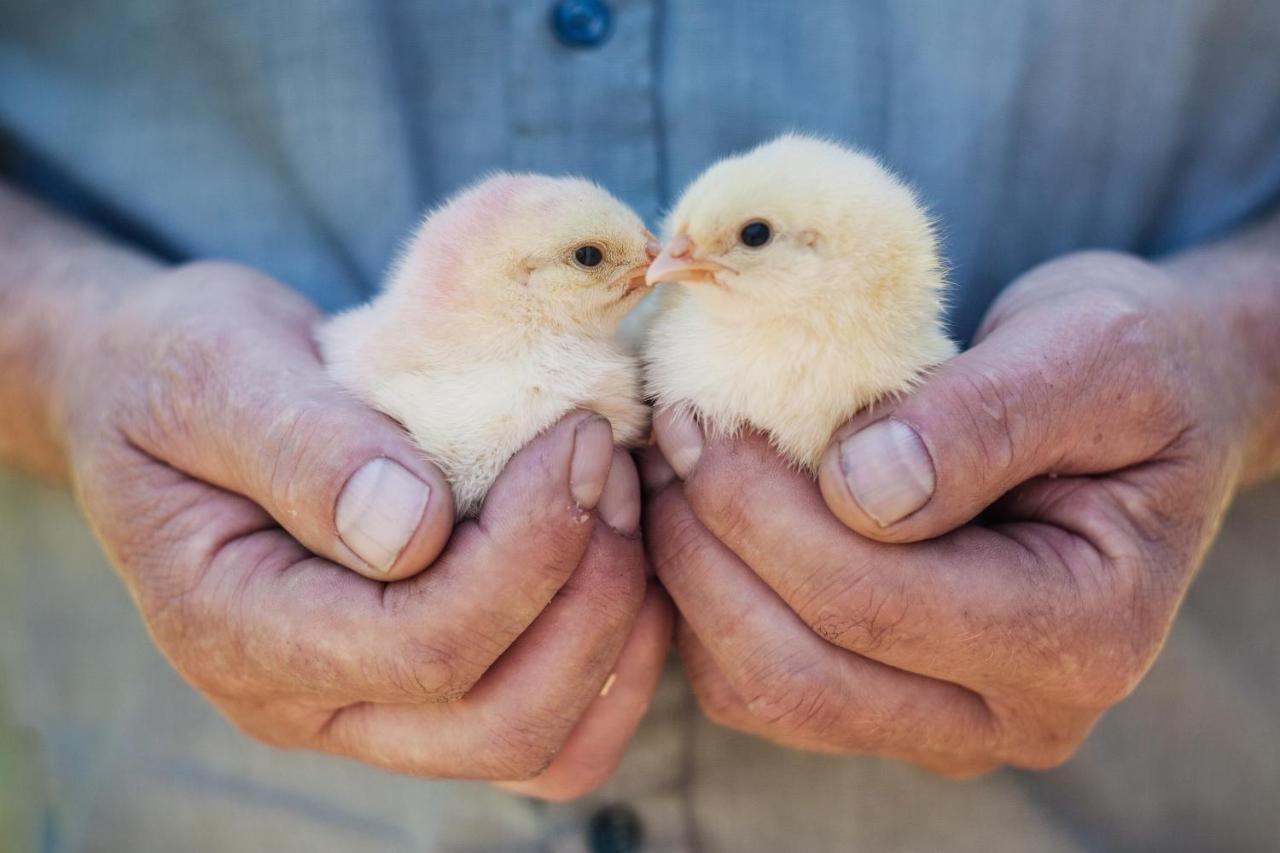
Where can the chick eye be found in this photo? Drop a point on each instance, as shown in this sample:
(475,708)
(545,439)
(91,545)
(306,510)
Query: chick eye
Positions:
(588,255)
(755,233)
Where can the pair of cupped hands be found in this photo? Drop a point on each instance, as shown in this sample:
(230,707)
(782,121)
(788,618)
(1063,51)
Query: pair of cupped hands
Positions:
(982,567)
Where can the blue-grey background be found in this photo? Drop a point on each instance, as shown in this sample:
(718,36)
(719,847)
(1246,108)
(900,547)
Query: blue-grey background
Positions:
(305,136)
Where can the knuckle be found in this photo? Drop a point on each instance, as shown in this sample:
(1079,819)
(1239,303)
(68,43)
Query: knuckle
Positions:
(213,630)
(1115,668)
(426,671)
(1090,648)
(726,492)
(723,506)
(1110,644)
(524,746)
(194,622)
(681,544)
(1096,673)
(719,707)
(440,661)
(296,438)
(164,547)
(1048,740)
(1117,313)
(998,426)
(1129,357)
(850,612)
(792,696)
(804,709)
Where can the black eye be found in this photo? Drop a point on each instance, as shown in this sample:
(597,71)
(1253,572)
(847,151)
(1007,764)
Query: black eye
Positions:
(588,255)
(755,233)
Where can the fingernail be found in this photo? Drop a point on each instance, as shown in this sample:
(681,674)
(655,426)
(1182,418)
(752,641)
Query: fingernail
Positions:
(680,438)
(379,510)
(888,470)
(620,502)
(592,458)
(655,471)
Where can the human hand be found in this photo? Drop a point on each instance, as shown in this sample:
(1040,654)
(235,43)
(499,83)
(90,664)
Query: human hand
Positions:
(241,496)
(988,563)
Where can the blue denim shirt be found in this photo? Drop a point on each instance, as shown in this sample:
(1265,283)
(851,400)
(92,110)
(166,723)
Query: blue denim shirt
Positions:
(304,137)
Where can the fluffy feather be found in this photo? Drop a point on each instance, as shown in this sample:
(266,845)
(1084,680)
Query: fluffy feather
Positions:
(840,308)
(489,328)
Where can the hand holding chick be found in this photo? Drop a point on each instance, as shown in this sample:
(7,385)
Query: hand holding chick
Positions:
(499,318)
(810,287)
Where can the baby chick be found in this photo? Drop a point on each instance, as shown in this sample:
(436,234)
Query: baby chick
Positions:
(498,319)
(810,288)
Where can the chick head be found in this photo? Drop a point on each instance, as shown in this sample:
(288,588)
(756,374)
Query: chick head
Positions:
(530,250)
(796,224)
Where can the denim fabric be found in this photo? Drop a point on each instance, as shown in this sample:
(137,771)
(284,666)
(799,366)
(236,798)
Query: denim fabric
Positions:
(305,136)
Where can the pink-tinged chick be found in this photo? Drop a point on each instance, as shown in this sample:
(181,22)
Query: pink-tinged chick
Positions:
(500,317)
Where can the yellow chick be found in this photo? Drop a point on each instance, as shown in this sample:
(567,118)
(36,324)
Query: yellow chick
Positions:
(498,319)
(810,287)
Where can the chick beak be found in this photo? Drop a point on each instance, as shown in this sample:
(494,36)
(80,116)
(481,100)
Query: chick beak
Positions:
(634,278)
(635,281)
(679,262)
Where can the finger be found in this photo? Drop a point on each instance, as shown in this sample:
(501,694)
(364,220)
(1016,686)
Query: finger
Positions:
(251,410)
(715,696)
(655,473)
(597,743)
(721,705)
(619,505)
(433,636)
(1039,395)
(305,626)
(517,719)
(790,678)
(973,606)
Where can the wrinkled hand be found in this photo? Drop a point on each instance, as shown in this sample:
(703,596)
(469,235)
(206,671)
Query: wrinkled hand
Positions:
(272,530)
(988,563)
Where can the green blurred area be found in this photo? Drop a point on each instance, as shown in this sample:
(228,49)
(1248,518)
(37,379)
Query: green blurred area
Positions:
(24,784)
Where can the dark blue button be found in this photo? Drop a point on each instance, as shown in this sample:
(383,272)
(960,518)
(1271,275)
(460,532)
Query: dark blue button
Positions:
(581,23)
(615,829)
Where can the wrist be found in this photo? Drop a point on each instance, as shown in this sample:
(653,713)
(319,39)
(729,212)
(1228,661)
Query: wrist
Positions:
(57,280)
(1234,287)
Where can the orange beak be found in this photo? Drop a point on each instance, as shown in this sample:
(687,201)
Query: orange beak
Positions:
(679,262)
(635,279)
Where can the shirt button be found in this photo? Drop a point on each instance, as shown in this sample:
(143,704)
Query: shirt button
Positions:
(581,23)
(615,829)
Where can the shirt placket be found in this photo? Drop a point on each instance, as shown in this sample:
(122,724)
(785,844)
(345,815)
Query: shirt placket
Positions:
(581,86)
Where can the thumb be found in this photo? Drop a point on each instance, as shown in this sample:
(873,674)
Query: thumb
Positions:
(343,479)
(241,401)
(1039,395)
